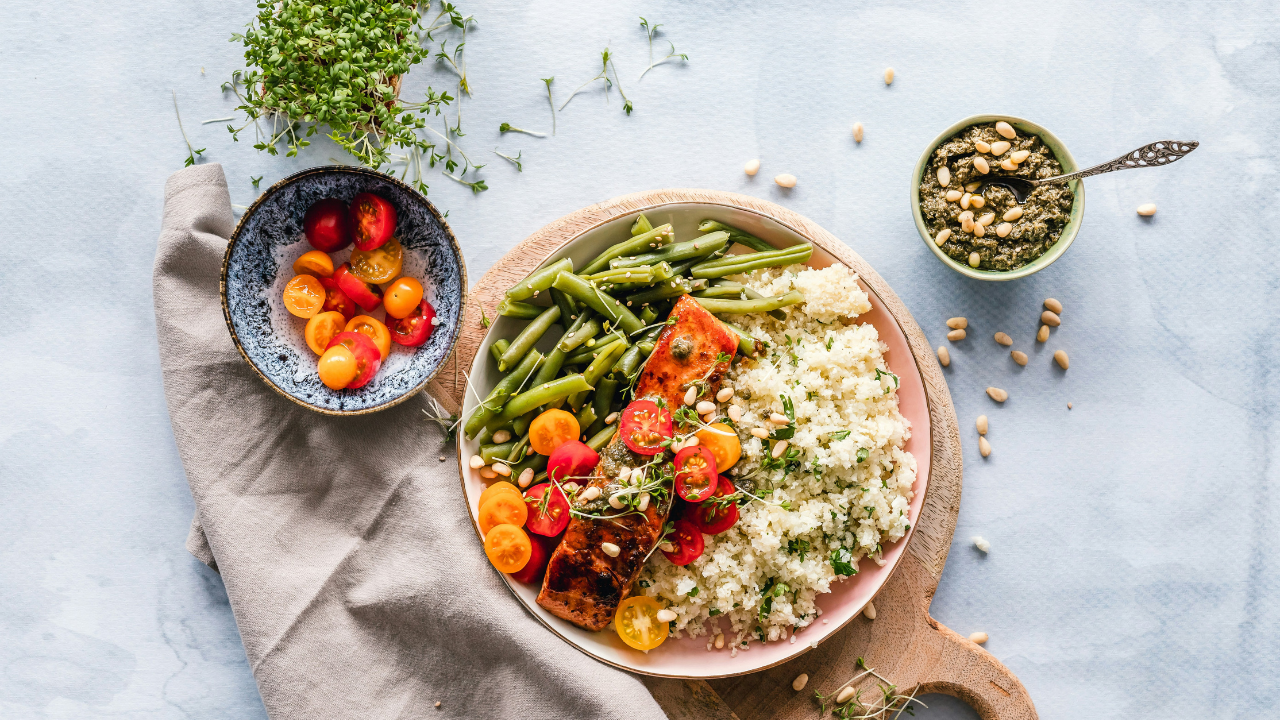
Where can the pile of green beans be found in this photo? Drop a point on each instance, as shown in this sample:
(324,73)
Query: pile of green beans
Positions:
(607,317)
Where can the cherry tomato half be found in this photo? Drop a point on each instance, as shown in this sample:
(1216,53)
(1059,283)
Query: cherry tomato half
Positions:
(713,518)
(572,461)
(723,442)
(368,359)
(508,548)
(327,225)
(373,329)
(336,300)
(548,510)
(321,329)
(365,295)
(638,624)
(552,429)
(502,509)
(304,296)
(402,297)
(643,426)
(373,220)
(415,329)
(539,555)
(337,367)
(315,263)
(688,543)
(696,477)
(499,487)
(379,265)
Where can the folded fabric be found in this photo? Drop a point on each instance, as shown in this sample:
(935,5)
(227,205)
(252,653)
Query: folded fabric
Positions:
(345,544)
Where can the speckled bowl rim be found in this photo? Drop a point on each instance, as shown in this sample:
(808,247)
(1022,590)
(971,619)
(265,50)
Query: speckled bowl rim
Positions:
(1068,166)
(455,331)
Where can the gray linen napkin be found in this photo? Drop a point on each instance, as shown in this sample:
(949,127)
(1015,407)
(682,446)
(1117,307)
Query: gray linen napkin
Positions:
(354,575)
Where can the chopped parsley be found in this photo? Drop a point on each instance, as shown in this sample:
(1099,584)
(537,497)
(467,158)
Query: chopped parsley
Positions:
(713,612)
(863,454)
(841,436)
(693,592)
(797,546)
(842,562)
(883,373)
(644,583)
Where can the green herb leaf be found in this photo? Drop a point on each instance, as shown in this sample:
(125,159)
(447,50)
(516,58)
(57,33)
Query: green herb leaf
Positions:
(863,454)
(842,562)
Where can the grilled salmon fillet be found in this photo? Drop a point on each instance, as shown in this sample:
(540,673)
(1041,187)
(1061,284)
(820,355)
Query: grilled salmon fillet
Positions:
(584,585)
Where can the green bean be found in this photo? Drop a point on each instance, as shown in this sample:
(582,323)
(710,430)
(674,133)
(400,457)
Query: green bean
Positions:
(602,438)
(742,307)
(587,354)
(496,452)
(646,348)
(501,392)
(747,344)
(518,310)
(519,450)
(586,415)
(568,308)
(539,280)
(676,252)
(535,461)
(598,300)
(727,290)
(675,287)
(641,225)
(602,401)
(540,477)
(640,243)
(498,347)
(661,271)
(734,264)
(520,426)
(528,337)
(753,295)
(585,332)
(736,235)
(595,372)
(634,274)
(631,359)
(648,315)
(543,394)
(550,367)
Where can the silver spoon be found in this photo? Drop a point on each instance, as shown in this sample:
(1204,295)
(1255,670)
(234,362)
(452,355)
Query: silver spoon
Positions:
(1156,154)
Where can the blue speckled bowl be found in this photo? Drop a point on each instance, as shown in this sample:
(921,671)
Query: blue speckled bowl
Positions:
(259,259)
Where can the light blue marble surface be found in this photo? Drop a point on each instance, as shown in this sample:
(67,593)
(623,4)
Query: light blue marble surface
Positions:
(1133,569)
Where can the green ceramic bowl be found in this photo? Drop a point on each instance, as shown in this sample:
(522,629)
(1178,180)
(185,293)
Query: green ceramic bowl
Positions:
(1068,166)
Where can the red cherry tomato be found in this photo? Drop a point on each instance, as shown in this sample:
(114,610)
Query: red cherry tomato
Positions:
(365,295)
(572,460)
(644,426)
(328,225)
(696,477)
(547,519)
(538,559)
(415,329)
(368,357)
(336,300)
(711,517)
(373,220)
(688,543)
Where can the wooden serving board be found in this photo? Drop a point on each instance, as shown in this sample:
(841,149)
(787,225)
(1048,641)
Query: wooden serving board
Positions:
(903,643)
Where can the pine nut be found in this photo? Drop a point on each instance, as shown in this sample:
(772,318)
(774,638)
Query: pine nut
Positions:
(779,448)
(487,473)
(966,215)
(1147,210)
(984,447)
(1042,334)
(987,219)
(502,469)
(667,547)
(705,407)
(724,394)
(666,615)
(1004,339)
(644,502)
(888,76)
(857,132)
(752,167)
(779,419)
(611,418)
(954,195)
(624,472)
(693,441)
(944,176)
(1060,357)
(982,424)
(973,186)
(977,201)
(958,323)
(997,394)
(845,695)
(1005,130)
(760,432)
(1050,318)
(476,462)
(610,549)
(944,356)
(526,477)
(735,413)
(956,335)
(980,164)
(981,146)
(978,638)
(974,258)
(1019,357)
(719,641)
(869,611)
(1000,147)
(981,543)
(501,436)
(1008,165)
(942,236)
(965,199)
(1012,213)
(590,493)
(786,180)
(801,680)
(1003,229)
(979,230)
(709,418)
(691,396)
(615,502)
(1020,156)
(1054,305)
(967,225)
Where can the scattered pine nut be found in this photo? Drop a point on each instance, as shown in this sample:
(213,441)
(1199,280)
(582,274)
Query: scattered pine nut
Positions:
(526,477)
(1004,339)
(786,180)
(666,615)
(845,695)
(980,164)
(502,469)
(958,323)
(981,146)
(615,502)
(966,224)
(869,611)
(779,419)
(760,432)
(984,447)
(752,167)
(943,234)
(857,132)
(974,258)
(735,413)
(965,200)
(1003,229)
(779,448)
(610,549)
(1000,147)
(977,201)
(1020,156)
(982,424)
(1054,305)
(691,396)
(997,394)
(973,186)
(1060,357)
(966,215)
(944,176)
(1012,213)
(981,543)
(476,462)
(944,356)
(1050,318)
(719,641)
(1042,334)
(957,335)
(705,407)
(693,441)
(611,418)
(954,195)
(978,637)
(590,493)
(724,394)
(801,680)
(1008,165)
(501,436)
(487,473)
(888,76)
(1147,210)
(979,230)
(1005,130)
(987,219)
(1068,406)
(1019,357)
(643,504)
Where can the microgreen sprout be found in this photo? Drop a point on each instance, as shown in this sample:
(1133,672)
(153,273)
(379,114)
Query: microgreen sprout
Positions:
(605,58)
(513,160)
(214,120)
(477,186)
(650,30)
(484,319)
(192,153)
(255,180)
(547,81)
(889,701)
(508,127)
(447,421)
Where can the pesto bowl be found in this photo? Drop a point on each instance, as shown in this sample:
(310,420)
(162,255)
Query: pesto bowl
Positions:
(1063,157)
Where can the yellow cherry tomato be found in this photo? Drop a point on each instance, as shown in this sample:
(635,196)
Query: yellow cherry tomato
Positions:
(315,263)
(373,329)
(402,298)
(379,265)
(723,444)
(498,488)
(503,509)
(552,429)
(638,624)
(321,329)
(508,548)
(304,296)
(338,367)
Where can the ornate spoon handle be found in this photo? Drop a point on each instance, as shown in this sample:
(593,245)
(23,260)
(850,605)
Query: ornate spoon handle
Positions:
(1163,152)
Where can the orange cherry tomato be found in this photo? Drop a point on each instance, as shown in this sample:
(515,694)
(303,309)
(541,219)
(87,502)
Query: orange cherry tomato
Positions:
(379,265)
(508,548)
(338,367)
(723,444)
(552,429)
(321,329)
(638,624)
(503,509)
(315,263)
(498,488)
(372,329)
(304,296)
(402,298)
